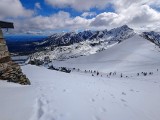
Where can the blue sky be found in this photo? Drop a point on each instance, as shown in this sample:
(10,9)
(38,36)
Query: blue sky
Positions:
(49,16)
(47,10)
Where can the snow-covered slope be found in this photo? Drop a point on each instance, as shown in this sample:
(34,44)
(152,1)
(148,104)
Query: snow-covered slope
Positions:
(83,97)
(80,96)
(16,102)
(125,56)
(86,43)
(73,51)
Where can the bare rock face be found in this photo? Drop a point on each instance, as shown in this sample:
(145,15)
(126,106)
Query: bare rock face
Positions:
(9,70)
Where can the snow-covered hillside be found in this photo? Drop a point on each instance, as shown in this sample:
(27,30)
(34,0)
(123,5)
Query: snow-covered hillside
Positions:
(82,95)
(86,43)
(125,56)
(72,51)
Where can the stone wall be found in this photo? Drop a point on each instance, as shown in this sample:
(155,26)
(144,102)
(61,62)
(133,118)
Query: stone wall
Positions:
(9,70)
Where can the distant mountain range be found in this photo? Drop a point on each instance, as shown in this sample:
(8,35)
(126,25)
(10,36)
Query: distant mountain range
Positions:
(61,46)
(64,39)
(31,45)
(71,45)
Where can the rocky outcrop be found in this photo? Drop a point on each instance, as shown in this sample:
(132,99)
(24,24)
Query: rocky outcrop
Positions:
(9,70)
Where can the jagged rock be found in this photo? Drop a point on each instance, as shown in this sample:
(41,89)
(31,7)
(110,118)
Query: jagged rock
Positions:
(9,70)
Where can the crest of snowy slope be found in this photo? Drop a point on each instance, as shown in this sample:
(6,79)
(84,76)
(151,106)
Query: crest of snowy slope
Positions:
(125,56)
(152,36)
(86,43)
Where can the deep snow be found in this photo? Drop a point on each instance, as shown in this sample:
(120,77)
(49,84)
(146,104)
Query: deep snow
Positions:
(80,96)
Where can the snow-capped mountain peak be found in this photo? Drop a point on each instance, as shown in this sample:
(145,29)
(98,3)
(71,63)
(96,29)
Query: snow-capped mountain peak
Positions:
(71,45)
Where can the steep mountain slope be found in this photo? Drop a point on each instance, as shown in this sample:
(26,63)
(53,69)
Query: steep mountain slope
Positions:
(63,39)
(125,56)
(152,36)
(116,34)
(86,34)
(87,43)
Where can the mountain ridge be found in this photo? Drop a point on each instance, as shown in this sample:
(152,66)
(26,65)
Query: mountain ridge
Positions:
(98,41)
(125,56)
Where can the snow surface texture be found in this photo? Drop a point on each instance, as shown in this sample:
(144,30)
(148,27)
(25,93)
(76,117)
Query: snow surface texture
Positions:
(80,96)
(16,101)
(62,96)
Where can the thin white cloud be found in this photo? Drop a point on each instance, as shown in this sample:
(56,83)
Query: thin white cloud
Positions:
(104,19)
(79,5)
(60,21)
(34,32)
(137,14)
(13,8)
(37,5)
(89,14)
